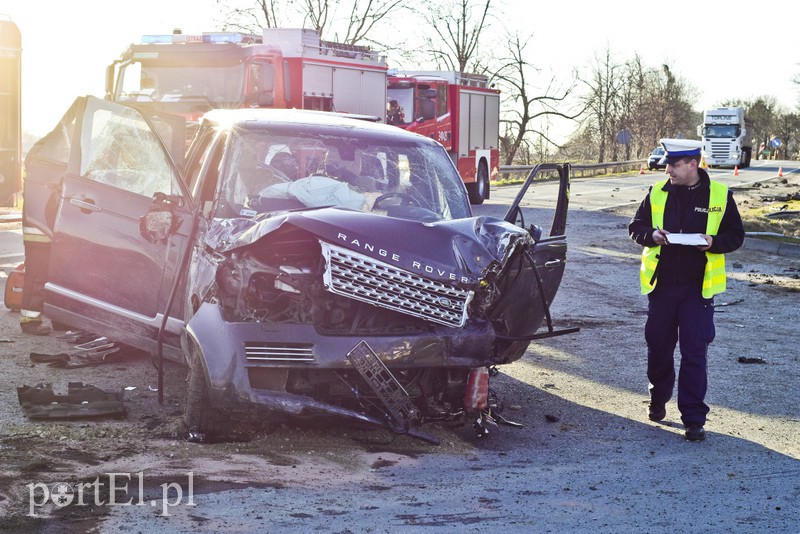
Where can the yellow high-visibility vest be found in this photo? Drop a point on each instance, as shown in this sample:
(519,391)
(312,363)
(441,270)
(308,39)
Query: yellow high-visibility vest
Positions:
(714,276)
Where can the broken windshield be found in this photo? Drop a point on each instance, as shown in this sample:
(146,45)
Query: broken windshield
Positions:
(278,169)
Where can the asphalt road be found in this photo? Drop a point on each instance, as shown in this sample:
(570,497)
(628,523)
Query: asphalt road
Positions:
(621,191)
(586,459)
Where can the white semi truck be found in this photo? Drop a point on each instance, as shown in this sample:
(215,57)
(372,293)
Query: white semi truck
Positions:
(726,135)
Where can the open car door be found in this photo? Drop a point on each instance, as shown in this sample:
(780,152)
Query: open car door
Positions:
(532,278)
(109,274)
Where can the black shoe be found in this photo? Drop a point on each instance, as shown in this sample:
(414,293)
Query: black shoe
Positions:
(36,328)
(656,412)
(695,433)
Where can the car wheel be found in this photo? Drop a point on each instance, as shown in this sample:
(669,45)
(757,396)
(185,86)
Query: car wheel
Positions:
(201,418)
(479,190)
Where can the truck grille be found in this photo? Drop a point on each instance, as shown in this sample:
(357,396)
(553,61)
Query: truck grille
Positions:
(360,277)
(721,150)
(278,352)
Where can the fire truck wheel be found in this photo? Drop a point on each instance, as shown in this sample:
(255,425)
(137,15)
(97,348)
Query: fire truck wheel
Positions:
(479,190)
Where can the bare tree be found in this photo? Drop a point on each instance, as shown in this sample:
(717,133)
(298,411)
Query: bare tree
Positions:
(317,12)
(763,112)
(525,111)
(633,106)
(356,26)
(365,15)
(251,18)
(787,129)
(457,27)
(601,101)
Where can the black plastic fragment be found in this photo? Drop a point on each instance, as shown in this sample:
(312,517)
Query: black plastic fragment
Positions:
(81,401)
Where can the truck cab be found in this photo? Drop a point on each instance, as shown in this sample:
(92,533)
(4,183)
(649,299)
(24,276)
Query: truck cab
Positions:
(725,134)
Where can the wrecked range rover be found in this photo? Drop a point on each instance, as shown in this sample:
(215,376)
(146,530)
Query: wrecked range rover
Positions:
(302,261)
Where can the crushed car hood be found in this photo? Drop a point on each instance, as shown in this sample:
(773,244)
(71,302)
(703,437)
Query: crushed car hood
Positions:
(457,252)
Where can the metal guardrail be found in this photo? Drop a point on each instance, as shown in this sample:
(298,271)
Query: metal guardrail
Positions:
(578,169)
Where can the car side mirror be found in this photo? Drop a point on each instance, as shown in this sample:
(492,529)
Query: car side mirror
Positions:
(159,222)
(536,232)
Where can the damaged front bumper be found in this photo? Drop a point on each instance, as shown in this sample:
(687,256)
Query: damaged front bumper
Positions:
(250,362)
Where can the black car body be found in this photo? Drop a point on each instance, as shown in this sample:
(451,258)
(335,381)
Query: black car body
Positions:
(294,249)
(654,160)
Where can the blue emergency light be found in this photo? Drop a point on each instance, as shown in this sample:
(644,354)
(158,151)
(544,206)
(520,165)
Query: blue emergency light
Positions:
(209,37)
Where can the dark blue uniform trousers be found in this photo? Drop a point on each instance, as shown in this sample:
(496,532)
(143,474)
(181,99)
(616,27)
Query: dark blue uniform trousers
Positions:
(678,312)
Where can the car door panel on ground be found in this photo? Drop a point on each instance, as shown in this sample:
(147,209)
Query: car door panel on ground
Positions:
(104,273)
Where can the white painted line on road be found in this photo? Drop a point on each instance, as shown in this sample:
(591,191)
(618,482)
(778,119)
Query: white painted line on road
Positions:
(624,204)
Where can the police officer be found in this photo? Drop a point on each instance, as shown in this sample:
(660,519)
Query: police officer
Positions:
(681,280)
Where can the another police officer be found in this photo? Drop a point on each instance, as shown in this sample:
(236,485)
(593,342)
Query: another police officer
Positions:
(681,280)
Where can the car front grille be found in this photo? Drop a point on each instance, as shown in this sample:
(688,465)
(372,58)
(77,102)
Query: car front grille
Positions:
(278,352)
(360,277)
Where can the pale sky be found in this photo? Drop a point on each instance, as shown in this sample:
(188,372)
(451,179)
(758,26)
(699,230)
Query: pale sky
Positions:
(726,49)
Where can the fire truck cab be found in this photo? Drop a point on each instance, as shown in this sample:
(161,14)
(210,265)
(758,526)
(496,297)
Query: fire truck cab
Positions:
(461,111)
(187,75)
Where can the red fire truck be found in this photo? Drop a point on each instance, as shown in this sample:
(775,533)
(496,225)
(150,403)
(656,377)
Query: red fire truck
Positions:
(10,112)
(460,111)
(187,75)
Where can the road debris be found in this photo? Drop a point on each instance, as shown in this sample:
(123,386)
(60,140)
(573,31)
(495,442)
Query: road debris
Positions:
(731,303)
(81,401)
(749,359)
(87,358)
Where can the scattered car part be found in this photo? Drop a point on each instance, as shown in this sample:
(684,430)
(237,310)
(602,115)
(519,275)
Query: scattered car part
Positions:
(783,214)
(384,384)
(60,359)
(81,401)
(729,303)
(749,359)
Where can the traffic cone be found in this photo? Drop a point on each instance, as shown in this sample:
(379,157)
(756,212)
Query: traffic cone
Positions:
(736,170)
(780,171)
(641,171)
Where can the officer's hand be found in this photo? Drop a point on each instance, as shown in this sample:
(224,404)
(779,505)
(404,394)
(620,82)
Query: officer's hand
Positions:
(660,236)
(708,239)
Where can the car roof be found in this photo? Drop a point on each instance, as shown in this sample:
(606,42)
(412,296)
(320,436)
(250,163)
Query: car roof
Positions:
(249,117)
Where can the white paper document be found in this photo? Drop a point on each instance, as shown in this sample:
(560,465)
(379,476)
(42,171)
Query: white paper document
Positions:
(693,240)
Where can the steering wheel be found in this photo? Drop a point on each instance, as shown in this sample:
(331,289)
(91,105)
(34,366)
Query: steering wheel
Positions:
(404,200)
